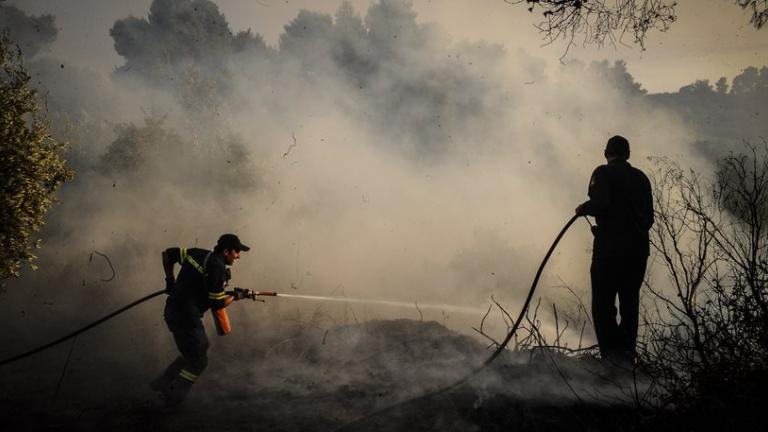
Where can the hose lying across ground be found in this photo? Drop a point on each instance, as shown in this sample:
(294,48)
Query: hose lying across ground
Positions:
(82,330)
(502,346)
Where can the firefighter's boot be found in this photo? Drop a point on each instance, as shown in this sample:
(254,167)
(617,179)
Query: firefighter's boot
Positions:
(161,383)
(179,388)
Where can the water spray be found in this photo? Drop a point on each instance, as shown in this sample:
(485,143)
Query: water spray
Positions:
(246,293)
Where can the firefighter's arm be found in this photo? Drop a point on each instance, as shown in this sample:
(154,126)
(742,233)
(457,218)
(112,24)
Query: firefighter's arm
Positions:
(599,195)
(218,300)
(170,256)
(220,317)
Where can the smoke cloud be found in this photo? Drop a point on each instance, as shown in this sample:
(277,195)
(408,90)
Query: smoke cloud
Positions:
(366,155)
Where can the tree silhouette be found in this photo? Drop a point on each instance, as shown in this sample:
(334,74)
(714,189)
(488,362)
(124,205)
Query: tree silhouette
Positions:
(600,21)
(31,34)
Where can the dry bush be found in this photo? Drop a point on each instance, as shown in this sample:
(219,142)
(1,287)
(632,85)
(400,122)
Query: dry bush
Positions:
(706,332)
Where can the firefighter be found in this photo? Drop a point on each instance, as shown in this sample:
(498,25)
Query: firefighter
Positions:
(199,286)
(620,200)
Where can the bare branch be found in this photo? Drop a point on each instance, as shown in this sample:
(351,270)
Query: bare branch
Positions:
(600,21)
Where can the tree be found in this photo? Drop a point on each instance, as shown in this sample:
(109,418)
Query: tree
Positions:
(721,86)
(617,77)
(309,37)
(32,34)
(350,49)
(759,9)
(750,80)
(136,145)
(32,166)
(177,35)
(601,21)
(392,27)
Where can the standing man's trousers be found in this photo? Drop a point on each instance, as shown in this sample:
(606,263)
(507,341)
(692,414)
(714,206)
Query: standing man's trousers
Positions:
(617,276)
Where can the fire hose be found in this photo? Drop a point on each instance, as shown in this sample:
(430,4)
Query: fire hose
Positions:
(254,294)
(245,294)
(499,349)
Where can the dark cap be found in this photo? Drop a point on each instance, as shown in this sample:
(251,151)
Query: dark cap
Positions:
(618,146)
(230,241)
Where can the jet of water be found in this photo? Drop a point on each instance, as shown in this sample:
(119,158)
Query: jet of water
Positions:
(444,307)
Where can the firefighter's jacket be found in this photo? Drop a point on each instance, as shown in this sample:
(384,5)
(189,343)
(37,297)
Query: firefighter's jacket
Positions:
(200,284)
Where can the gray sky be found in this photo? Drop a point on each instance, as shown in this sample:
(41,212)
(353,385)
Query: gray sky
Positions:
(712,38)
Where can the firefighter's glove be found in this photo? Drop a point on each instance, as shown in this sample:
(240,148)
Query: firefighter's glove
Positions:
(241,293)
(169,282)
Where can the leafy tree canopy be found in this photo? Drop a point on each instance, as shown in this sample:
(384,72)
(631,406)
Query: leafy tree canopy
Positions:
(31,164)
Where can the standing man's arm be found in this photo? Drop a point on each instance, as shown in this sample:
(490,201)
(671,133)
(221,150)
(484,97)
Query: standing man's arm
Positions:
(599,195)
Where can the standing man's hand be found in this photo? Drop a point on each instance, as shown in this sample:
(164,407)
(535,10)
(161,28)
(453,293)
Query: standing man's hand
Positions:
(579,210)
(169,284)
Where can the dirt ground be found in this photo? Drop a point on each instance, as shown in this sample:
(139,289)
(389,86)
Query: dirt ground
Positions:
(361,377)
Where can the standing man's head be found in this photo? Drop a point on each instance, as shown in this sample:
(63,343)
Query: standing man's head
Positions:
(617,148)
(230,246)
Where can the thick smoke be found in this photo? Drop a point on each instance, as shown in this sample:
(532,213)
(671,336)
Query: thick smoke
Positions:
(367,155)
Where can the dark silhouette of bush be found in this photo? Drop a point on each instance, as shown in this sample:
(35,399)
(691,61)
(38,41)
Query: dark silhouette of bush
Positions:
(706,338)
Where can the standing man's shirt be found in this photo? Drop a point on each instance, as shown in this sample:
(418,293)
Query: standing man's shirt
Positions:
(622,204)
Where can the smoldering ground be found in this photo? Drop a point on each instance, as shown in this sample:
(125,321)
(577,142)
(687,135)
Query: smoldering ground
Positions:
(366,155)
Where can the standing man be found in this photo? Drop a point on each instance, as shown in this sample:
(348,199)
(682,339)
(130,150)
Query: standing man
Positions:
(200,286)
(620,200)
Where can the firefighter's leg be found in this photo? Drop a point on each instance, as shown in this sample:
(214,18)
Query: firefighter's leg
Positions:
(161,383)
(177,319)
(193,344)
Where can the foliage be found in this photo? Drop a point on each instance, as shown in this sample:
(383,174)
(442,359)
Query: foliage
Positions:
(157,150)
(308,37)
(617,77)
(136,145)
(351,51)
(717,114)
(31,167)
(175,34)
(601,21)
(186,46)
(759,9)
(706,340)
(32,34)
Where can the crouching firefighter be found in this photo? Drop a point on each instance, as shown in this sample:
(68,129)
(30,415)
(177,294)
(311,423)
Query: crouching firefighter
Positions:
(199,286)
